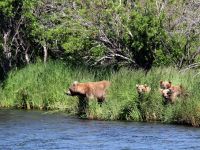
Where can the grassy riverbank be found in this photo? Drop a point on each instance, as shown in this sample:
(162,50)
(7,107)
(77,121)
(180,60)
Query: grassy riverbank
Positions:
(40,86)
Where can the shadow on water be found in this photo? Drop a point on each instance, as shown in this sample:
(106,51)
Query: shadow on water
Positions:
(42,130)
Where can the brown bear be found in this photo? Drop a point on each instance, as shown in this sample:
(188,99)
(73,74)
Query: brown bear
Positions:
(89,90)
(172,93)
(165,84)
(142,88)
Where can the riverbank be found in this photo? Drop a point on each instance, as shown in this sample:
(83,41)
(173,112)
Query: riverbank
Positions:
(40,86)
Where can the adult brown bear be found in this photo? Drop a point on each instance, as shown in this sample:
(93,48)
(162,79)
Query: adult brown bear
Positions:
(89,90)
(170,95)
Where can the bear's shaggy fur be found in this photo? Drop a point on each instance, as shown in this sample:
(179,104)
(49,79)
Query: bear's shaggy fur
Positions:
(142,88)
(172,93)
(165,84)
(89,90)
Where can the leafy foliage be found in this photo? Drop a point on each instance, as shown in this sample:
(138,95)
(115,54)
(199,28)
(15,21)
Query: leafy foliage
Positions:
(139,34)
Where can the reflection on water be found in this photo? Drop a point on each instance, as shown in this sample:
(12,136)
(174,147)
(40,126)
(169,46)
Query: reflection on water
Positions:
(39,130)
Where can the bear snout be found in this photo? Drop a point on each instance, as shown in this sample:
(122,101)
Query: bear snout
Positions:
(166,96)
(68,93)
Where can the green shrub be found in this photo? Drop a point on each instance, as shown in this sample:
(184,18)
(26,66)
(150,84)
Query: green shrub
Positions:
(42,86)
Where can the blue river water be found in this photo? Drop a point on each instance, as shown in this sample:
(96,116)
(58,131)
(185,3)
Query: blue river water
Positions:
(38,130)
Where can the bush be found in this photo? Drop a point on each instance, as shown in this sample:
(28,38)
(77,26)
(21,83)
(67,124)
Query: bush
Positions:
(41,86)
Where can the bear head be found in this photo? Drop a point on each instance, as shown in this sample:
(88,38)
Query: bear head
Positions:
(165,84)
(166,93)
(74,89)
(142,88)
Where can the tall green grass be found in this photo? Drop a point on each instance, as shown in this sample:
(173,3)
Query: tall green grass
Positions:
(42,86)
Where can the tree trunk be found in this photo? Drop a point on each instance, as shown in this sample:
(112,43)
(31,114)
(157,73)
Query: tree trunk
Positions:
(45,52)
(7,63)
(27,56)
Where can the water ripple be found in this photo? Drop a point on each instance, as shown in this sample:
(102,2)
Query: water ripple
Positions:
(38,130)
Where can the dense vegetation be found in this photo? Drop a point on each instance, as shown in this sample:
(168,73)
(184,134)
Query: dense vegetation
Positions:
(138,34)
(125,41)
(40,86)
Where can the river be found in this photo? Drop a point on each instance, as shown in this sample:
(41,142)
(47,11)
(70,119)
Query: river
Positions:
(38,130)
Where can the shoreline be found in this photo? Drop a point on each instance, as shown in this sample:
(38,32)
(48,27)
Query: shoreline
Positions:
(89,119)
(42,87)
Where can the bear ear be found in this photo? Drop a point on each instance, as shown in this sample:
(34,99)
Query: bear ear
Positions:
(145,85)
(161,82)
(75,82)
(170,82)
(137,85)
